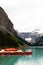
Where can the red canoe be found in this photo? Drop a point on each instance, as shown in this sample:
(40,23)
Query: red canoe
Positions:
(13,51)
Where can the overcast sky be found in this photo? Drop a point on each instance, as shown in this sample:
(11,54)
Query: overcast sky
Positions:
(26,15)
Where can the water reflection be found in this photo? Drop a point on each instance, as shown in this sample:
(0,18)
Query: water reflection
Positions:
(35,59)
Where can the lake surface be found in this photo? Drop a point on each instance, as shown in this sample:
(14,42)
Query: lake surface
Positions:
(35,59)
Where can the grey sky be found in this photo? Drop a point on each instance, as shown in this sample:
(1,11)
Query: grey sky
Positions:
(26,15)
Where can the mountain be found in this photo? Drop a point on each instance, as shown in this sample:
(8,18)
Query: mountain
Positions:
(27,35)
(8,35)
(34,38)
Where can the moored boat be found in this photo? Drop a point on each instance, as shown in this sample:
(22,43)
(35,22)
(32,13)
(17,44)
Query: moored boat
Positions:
(13,51)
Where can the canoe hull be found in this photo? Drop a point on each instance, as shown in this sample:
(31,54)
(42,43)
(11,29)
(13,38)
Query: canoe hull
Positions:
(15,53)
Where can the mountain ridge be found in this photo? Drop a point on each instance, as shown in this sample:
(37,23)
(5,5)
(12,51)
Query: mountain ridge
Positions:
(8,35)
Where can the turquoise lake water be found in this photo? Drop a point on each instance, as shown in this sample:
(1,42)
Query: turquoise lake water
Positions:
(35,59)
